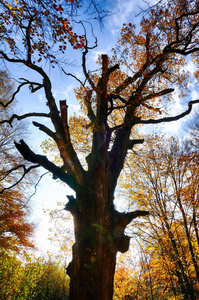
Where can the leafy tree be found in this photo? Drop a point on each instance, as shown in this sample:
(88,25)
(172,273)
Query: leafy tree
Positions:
(53,283)
(168,177)
(125,285)
(193,130)
(30,278)
(129,90)
(15,230)
(61,232)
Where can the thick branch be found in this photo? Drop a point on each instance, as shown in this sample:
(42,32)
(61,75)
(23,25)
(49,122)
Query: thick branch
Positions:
(11,59)
(170,119)
(123,219)
(42,160)
(28,115)
(64,115)
(113,68)
(28,30)
(158,94)
(133,215)
(132,143)
(87,101)
(44,129)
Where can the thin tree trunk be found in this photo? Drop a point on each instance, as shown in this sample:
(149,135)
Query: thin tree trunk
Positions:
(184,281)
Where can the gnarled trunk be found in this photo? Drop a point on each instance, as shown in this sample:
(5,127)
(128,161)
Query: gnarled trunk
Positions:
(93,267)
(97,240)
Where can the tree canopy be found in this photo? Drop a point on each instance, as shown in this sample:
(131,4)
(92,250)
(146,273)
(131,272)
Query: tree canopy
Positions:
(132,87)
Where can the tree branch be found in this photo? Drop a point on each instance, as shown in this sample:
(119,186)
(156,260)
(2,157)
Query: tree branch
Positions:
(13,95)
(28,115)
(135,214)
(28,40)
(170,119)
(87,101)
(44,129)
(11,59)
(31,87)
(123,219)
(158,94)
(35,187)
(23,175)
(72,75)
(132,143)
(42,160)
(84,53)
(113,68)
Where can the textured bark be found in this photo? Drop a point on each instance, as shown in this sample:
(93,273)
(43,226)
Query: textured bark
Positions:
(94,258)
(94,252)
(99,235)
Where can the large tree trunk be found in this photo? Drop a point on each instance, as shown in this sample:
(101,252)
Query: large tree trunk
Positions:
(98,237)
(92,270)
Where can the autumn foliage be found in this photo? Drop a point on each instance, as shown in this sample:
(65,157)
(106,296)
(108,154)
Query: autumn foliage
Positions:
(167,177)
(41,25)
(15,229)
(131,88)
(32,278)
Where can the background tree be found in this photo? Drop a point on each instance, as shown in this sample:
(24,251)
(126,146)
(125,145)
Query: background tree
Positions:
(115,101)
(193,130)
(15,230)
(61,232)
(168,187)
(30,278)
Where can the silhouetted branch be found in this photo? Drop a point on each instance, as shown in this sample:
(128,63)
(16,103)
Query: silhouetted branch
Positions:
(44,129)
(40,178)
(28,115)
(75,77)
(158,94)
(84,53)
(170,119)
(42,160)
(132,143)
(25,171)
(123,219)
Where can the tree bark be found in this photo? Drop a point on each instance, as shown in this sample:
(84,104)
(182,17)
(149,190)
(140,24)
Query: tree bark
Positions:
(94,252)
(99,235)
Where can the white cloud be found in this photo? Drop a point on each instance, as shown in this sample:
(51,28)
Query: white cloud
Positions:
(176,106)
(95,55)
(42,98)
(194,95)
(124,11)
(74,107)
(191,67)
(63,93)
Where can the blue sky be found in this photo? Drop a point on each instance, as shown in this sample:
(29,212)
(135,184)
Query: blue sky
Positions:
(49,191)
